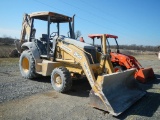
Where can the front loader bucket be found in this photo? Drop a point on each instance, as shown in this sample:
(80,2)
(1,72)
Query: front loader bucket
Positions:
(119,91)
(145,74)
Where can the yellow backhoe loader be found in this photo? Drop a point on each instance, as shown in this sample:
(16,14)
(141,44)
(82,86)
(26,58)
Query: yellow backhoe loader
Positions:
(64,57)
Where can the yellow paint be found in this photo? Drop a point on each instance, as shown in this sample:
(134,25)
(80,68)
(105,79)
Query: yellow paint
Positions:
(77,62)
(25,64)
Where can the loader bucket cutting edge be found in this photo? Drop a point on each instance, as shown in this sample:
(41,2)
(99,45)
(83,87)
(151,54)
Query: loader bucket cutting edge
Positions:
(120,90)
(145,74)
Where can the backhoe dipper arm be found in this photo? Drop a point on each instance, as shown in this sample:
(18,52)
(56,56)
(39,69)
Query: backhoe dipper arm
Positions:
(26,27)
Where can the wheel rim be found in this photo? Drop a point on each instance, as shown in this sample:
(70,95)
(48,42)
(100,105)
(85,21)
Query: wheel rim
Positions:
(25,64)
(57,80)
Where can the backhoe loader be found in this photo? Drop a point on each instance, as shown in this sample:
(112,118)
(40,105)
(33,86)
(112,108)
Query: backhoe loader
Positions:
(122,61)
(63,58)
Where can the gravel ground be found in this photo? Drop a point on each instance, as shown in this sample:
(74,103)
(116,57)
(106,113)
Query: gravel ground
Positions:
(35,99)
(13,86)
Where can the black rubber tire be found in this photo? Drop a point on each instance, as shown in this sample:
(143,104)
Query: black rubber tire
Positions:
(65,78)
(30,72)
(119,68)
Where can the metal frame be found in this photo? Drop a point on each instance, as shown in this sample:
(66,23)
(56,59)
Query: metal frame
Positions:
(42,15)
(117,46)
(48,33)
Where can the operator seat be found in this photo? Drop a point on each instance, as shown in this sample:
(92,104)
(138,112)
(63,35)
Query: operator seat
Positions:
(44,37)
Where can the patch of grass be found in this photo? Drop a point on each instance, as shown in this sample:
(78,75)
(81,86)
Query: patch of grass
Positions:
(146,57)
(5,50)
(135,52)
(8,61)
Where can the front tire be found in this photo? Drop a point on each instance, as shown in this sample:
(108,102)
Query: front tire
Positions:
(27,65)
(61,80)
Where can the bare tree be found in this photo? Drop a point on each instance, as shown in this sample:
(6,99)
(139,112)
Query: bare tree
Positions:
(77,34)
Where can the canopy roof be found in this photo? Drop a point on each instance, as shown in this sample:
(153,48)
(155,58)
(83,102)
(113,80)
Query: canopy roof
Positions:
(55,17)
(100,35)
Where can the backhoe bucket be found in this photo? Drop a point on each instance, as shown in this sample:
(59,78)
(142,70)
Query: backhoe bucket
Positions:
(118,92)
(145,74)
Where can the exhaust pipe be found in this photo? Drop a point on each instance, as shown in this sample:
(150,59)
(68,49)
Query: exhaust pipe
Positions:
(73,26)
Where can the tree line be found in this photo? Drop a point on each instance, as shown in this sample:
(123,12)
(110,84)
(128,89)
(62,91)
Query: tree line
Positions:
(142,48)
(7,40)
(10,40)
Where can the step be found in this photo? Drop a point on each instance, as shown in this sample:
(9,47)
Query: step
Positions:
(39,68)
(39,73)
(43,56)
(39,64)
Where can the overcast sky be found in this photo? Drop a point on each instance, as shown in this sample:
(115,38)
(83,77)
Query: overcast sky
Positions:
(133,21)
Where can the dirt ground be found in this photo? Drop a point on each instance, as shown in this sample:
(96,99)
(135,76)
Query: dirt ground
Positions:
(35,99)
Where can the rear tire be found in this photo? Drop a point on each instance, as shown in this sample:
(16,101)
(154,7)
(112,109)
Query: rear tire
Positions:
(61,80)
(27,65)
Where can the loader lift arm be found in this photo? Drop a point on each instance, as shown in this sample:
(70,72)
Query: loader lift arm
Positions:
(82,59)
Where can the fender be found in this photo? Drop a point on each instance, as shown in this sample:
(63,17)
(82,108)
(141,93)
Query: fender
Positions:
(31,46)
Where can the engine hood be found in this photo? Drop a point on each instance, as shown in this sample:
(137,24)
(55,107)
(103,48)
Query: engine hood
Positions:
(77,43)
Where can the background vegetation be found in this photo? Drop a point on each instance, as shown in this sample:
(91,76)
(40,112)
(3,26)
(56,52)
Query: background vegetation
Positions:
(7,46)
